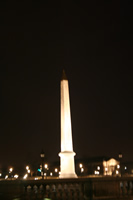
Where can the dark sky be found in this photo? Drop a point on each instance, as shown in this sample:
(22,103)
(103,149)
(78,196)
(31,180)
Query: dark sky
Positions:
(93,43)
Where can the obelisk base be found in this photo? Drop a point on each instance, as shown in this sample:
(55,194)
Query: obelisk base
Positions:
(67,164)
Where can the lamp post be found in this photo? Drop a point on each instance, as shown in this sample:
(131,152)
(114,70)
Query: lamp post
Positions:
(81,168)
(10,172)
(42,159)
(120,158)
(46,168)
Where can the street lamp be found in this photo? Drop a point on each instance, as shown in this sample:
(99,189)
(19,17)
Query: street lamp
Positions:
(120,159)
(46,168)
(81,168)
(10,171)
(80,165)
(27,167)
(42,159)
(56,170)
(28,170)
(16,176)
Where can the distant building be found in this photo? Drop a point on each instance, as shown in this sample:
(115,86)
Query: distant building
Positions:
(98,166)
(111,167)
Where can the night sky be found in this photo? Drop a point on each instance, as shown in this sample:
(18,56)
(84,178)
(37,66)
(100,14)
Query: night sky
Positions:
(93,43)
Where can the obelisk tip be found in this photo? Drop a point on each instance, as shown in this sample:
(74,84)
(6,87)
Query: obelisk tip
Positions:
(63,75)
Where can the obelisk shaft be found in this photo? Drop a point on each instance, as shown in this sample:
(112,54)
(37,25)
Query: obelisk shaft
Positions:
(67,155)
(66,131)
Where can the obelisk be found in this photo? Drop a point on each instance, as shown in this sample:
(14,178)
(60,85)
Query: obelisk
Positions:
(67,166)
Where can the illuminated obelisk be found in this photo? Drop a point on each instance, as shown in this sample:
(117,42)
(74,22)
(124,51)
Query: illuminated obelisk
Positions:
(67,165)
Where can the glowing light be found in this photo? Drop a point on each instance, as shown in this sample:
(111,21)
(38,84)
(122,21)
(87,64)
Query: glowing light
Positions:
(56,170)
(82,169)
(42,155)
(80,165)
(96,172)
(117,172)
(36,178)
(46,166)
(0,174)
(28,171)
(45,174)
(120,155)
(27,167)
(106,169)
(125,168)
(10,170)
(25,176)
(51,174)
(6,176)
(98,167)
(118,166)
(16,176)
